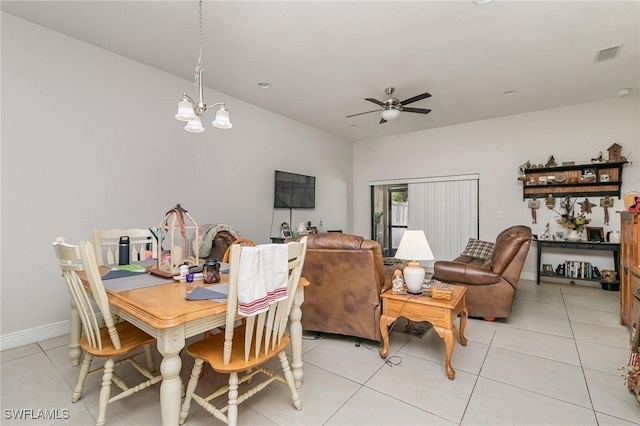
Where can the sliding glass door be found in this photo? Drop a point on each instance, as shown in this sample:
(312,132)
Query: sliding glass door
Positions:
(398,216)
(445,208)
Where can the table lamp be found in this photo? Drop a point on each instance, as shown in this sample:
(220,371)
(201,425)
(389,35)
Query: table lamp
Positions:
(413,247)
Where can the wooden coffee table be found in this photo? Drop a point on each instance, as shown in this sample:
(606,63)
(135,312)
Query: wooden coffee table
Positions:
(440,313)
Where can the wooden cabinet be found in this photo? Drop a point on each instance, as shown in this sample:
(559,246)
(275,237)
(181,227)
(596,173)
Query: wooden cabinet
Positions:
(591,180)
(629,267)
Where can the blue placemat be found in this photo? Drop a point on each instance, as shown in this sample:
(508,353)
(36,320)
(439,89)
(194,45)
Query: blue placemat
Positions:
(134,281)
(120,274)
(201,293)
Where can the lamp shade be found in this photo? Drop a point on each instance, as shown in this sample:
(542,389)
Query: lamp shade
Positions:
(414,246)
(390,114)
(185,111)
(222,119)
(194,126)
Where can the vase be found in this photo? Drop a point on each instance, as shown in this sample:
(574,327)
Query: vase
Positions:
(573,235)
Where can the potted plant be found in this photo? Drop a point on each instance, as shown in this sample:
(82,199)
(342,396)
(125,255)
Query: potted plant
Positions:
(575,223)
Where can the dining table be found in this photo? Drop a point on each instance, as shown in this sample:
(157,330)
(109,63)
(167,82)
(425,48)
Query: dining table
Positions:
(161,310)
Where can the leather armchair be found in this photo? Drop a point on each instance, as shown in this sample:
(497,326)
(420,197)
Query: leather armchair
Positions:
(491,285)
(346,276)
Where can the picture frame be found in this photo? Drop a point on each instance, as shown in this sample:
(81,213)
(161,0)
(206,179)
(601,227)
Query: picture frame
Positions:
(286,233)
(595,234)
(547,269)
(313,229)
(604,177)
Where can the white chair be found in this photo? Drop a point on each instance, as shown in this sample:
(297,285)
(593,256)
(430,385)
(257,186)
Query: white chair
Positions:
(106,244)
(111,341)
(246,348)
(242,241)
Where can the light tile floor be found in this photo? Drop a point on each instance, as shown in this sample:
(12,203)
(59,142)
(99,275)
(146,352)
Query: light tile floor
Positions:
(555,361)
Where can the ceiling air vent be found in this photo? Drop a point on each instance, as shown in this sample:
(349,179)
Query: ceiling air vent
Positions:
(608,53)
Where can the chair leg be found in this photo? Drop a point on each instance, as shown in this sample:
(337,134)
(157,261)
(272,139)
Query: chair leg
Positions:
(105,392)
(84,370)
(288,375)
(232,413)
(150,362)
(191,387)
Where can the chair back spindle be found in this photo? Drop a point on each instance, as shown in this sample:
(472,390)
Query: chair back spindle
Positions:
(81,258)
(106,245)
(265,330)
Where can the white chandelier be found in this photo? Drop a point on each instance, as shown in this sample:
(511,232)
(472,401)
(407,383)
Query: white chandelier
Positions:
(191,111)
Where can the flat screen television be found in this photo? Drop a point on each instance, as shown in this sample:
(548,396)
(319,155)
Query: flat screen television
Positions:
(294,191)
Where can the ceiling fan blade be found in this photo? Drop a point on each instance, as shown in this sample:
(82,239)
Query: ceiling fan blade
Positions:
(375,101)
(416,98)
(361,113)
(382,120)
(417,110)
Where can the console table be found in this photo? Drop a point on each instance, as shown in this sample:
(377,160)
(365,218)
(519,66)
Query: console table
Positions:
(578,245)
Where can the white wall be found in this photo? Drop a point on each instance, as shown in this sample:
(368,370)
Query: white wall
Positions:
(89,141)
(494,149)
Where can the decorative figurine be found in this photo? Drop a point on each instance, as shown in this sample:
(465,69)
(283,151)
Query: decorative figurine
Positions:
(534,204)
(398,282)
(605,203)
(585,206)
(550,201)
(546,235)
(551,162)
(521,168)
(599,158)
(615,153)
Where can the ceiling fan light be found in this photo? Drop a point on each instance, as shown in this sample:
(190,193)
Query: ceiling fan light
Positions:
(390,114)
(222,119)
(194,126)
(185,111)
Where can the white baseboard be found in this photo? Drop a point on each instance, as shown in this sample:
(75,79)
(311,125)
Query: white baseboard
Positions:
(33,335)
(528,276)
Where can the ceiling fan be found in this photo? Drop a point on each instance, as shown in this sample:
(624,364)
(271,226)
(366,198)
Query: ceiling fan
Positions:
(391,107)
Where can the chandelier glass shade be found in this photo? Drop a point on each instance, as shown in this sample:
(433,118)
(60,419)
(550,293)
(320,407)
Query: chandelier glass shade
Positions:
(191,111)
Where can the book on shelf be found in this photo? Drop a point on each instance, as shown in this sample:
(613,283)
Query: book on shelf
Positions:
(578,269)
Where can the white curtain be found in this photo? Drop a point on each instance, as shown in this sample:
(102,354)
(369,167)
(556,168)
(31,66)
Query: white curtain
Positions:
(446,208)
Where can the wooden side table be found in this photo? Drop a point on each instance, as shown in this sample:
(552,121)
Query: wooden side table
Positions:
(439,313)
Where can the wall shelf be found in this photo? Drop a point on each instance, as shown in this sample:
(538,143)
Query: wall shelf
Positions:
(564,181)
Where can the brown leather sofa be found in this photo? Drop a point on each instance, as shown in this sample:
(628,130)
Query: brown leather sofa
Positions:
(491,284)
(346,276)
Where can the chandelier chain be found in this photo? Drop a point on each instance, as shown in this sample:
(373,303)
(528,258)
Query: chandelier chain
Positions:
(199,67)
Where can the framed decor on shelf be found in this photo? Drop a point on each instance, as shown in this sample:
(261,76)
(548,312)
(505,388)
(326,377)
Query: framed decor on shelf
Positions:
(547,269)
(286,233)
(313,229)
(595,234)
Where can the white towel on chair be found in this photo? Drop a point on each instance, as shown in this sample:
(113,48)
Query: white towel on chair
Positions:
(262,277)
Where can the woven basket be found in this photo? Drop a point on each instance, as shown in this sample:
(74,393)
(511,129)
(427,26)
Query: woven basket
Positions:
(441,294)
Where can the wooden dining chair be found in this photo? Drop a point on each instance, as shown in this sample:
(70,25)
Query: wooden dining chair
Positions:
(242,351)
(241,241)
(110,341)
(106,244)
